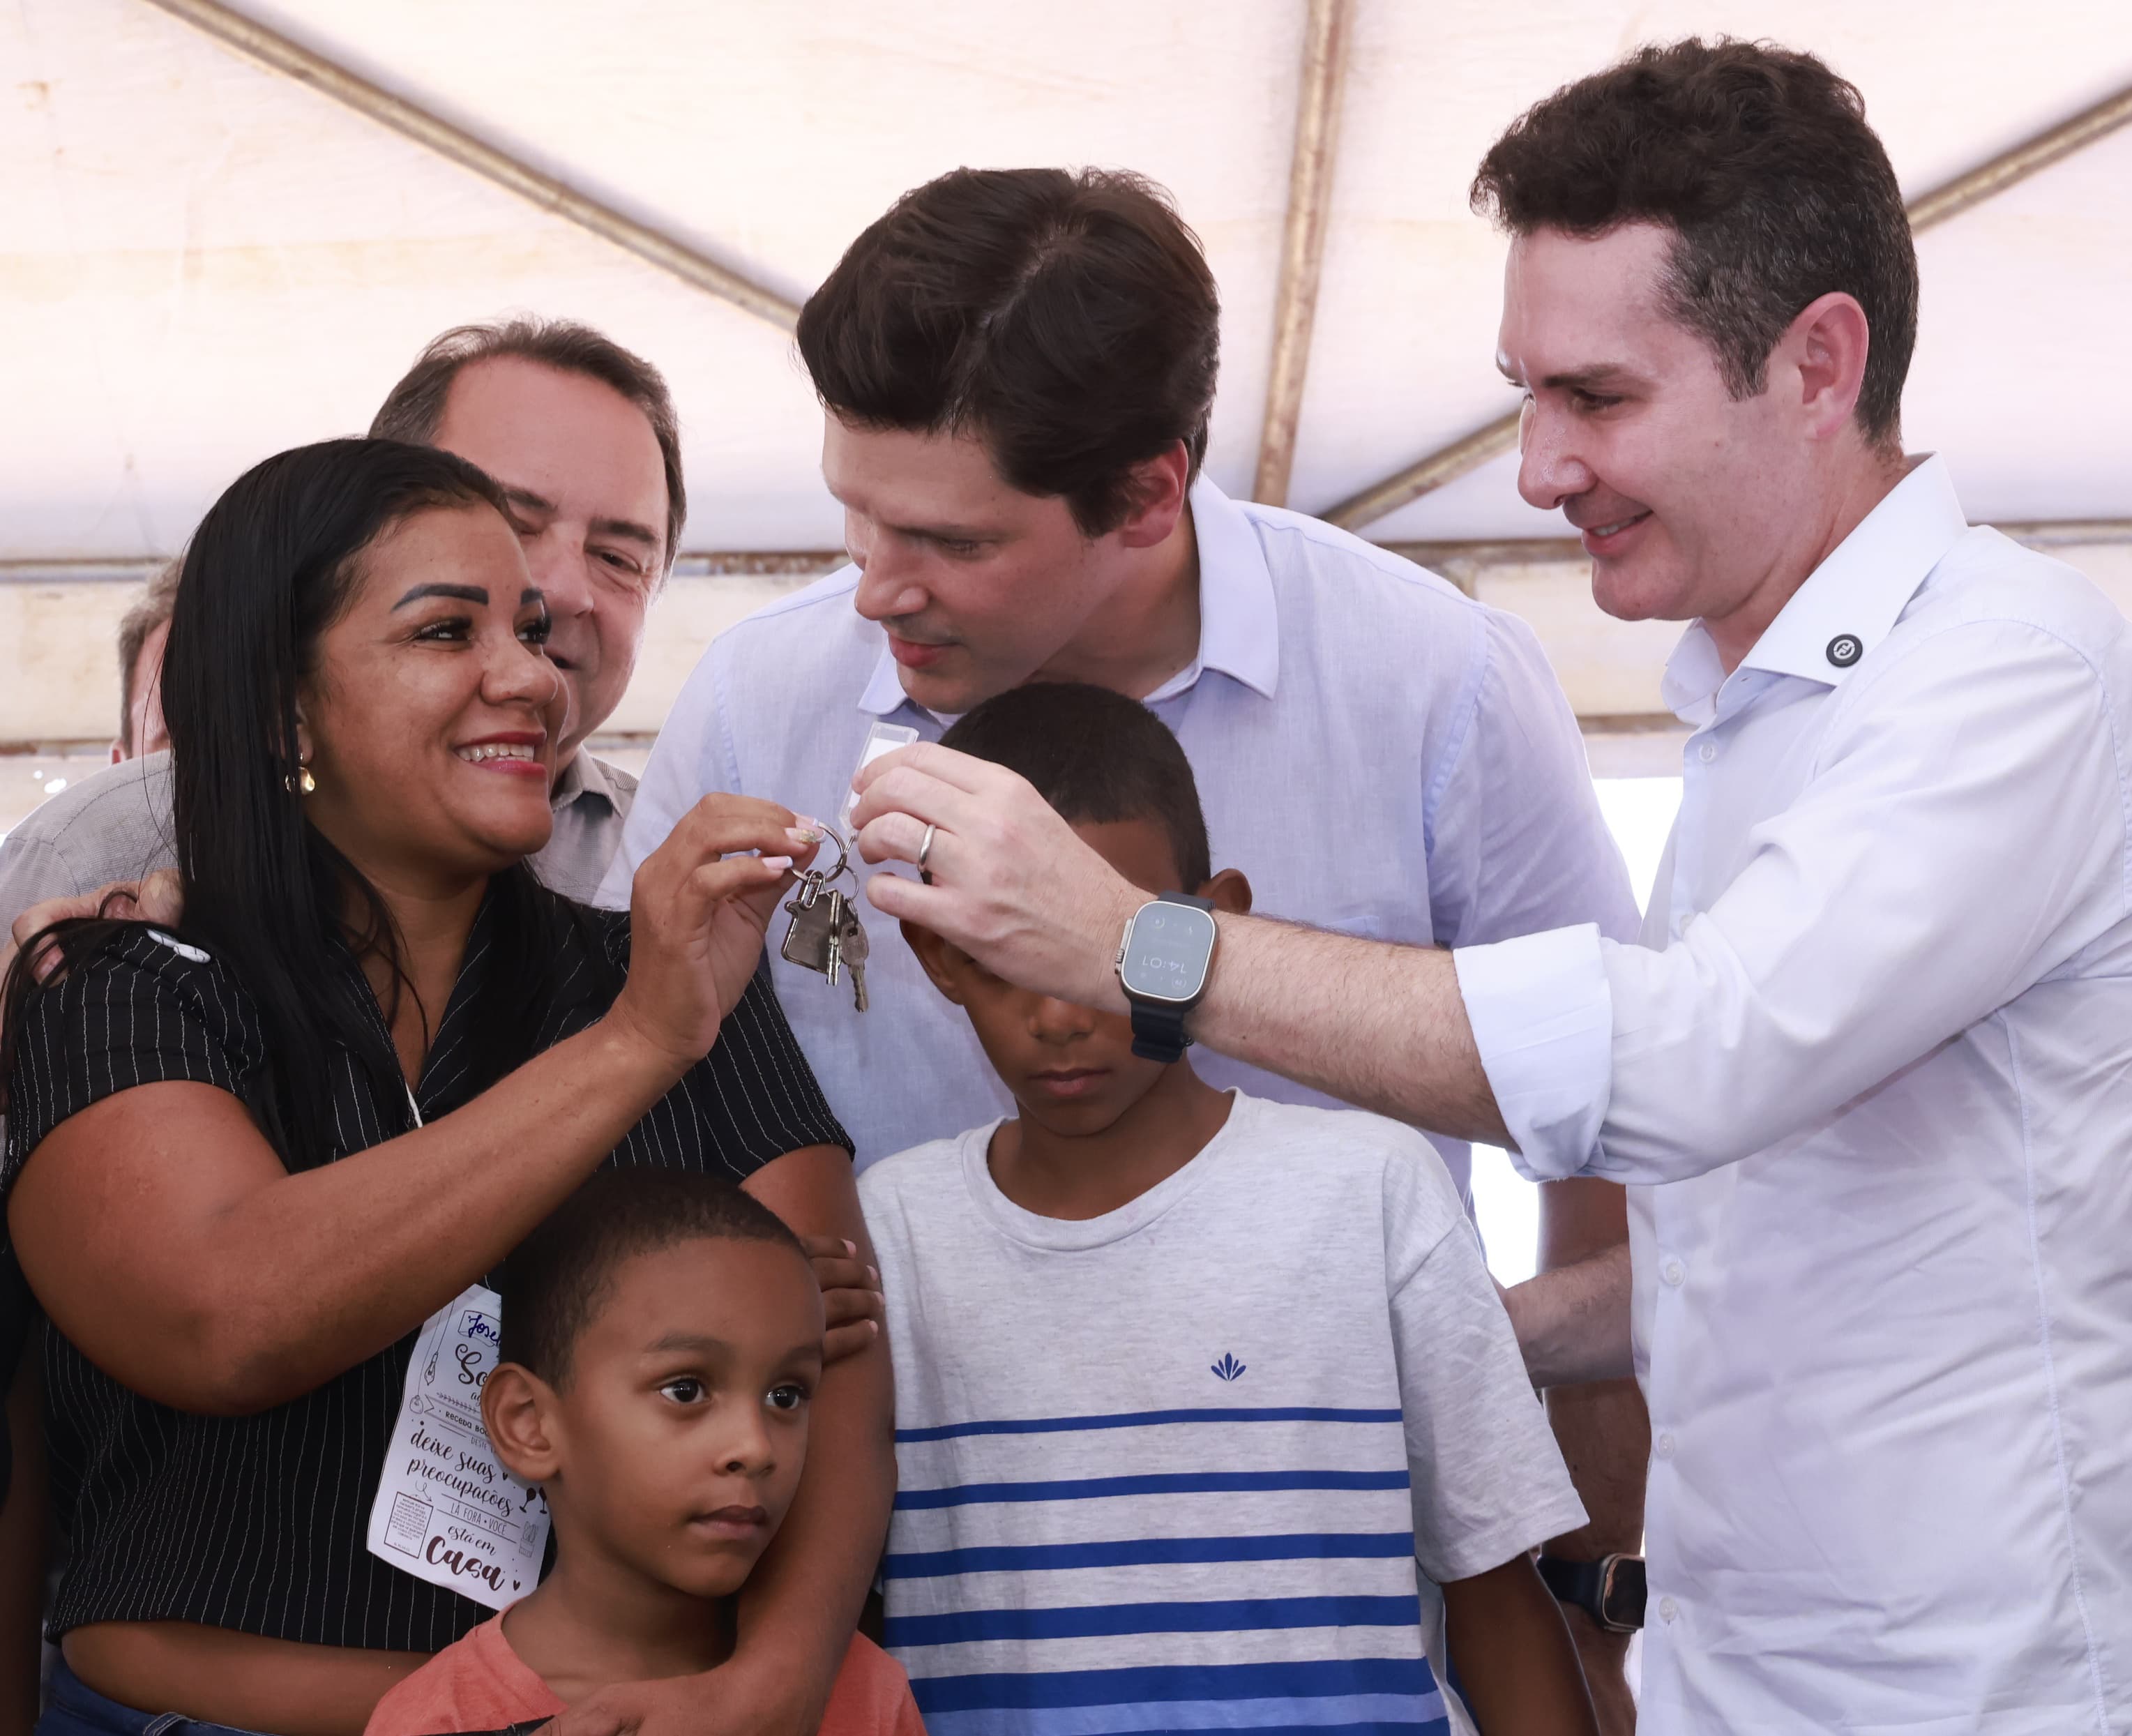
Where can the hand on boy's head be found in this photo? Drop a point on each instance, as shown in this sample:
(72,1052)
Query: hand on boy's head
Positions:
(1070,1066)
(1012,886)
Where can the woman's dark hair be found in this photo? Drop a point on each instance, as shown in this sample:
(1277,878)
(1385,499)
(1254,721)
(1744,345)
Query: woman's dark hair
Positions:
(1068,320)
(272,566)
(1761,162)
(1096,757)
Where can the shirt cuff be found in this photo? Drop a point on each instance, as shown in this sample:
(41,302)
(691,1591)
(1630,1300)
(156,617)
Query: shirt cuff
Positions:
(1542,1018)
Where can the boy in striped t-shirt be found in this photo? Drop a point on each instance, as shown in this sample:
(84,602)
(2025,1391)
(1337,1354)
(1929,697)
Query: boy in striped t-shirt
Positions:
(1207,1416)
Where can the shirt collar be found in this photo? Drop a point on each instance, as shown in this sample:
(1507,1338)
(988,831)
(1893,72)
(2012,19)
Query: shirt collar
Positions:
(584,776)
(1848,604)
(1239,626)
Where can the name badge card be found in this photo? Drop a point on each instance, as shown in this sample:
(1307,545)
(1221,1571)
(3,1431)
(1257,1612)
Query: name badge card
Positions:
(446,1512)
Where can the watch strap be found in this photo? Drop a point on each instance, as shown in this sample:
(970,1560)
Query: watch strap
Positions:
(1159,1031)
(1158,1026)
(1611,1590)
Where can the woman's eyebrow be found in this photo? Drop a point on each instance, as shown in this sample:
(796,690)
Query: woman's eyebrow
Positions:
(458,592)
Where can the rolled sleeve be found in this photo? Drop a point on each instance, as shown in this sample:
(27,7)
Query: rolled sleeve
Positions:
(1542,1011)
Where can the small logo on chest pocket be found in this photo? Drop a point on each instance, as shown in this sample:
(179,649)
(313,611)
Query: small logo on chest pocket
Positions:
(1228,1368)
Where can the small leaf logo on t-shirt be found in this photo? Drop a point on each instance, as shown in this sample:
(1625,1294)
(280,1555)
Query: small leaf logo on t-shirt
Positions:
(1228,1368)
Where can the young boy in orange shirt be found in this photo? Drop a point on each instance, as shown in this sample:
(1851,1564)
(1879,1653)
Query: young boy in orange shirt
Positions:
(661,1339)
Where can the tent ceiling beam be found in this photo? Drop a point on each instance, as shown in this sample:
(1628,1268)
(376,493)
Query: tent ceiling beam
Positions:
(1325,37)
(279,53)
(1966,191)
(2047,533)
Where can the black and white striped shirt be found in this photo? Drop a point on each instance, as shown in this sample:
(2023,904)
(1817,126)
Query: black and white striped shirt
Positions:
(258,1523)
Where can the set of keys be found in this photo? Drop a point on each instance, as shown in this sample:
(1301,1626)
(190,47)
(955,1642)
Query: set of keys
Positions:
(826,934)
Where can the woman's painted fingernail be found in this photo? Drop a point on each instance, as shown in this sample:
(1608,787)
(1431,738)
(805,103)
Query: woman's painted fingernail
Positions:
(850,1248)
(873,1276)
(781,864)
(803,835)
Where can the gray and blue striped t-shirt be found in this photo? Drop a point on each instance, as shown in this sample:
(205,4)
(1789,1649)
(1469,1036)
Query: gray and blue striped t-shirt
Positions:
(1176,1466)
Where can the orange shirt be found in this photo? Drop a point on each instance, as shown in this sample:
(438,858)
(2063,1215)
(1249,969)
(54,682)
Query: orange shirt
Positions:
(481,1684)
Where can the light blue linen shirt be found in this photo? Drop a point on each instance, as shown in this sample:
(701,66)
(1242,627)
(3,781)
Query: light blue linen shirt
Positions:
(1378,753)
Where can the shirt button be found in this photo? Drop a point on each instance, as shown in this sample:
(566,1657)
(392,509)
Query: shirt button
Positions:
(1707,753)
(1665,1446)
(1675,1273)
(1669,1610)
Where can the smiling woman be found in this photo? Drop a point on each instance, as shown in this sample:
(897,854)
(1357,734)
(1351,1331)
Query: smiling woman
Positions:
(251,1155)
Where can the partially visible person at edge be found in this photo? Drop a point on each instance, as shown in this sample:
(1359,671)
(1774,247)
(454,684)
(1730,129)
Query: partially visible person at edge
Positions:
(24,1546)
(141,636)
(1017,369)
(583,439)
(251,1150)
(1865,1072)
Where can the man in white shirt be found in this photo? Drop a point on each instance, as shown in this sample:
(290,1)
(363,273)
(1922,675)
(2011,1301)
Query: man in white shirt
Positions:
(1866,1073)
(1018,368)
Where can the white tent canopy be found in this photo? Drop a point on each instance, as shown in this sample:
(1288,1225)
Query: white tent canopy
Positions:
(207,260)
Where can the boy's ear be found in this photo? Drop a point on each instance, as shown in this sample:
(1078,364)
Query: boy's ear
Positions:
(938,956)
(517,1408)
(1229,891)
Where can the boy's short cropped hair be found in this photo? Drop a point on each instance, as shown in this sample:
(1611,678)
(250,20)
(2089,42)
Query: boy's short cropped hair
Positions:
(553,1284)
(1096,757)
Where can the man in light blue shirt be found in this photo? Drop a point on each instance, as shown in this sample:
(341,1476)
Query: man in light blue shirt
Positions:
(1018,368)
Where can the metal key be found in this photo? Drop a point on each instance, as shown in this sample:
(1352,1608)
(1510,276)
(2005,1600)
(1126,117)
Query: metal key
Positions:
(816,913)
(826,934)
(852,950)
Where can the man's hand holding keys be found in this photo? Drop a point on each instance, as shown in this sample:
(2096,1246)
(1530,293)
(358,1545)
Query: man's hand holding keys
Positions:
(1011,884)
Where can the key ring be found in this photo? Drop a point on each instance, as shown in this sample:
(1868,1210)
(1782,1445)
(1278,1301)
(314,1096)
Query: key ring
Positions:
(824,876)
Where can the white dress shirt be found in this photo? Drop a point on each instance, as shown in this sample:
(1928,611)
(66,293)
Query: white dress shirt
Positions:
(1870,1075)
(1377,753)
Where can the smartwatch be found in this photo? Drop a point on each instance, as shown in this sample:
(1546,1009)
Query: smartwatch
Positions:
(1162,965)
(1610,1591)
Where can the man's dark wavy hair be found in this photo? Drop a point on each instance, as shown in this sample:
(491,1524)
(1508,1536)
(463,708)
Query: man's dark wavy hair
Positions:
(1759,160)
(1067,319)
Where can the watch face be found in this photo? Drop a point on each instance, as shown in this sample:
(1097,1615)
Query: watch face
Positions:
(1168,952)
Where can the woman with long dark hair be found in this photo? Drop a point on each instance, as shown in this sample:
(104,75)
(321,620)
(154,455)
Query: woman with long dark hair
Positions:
(250,1154)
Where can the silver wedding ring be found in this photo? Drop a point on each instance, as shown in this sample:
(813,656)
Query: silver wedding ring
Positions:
(924,850)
